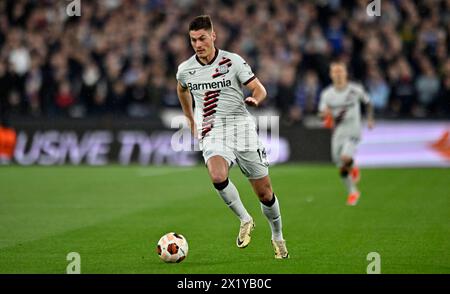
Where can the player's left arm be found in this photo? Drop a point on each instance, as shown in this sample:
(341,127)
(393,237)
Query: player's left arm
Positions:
(370,116)
(246,76)
(369,109)
(258,91)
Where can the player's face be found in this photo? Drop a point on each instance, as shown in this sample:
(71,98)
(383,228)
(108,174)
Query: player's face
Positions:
(203,42)
(338,74)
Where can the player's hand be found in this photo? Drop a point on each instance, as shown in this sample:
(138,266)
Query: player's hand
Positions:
(370,124)
(328,121)
(251,101)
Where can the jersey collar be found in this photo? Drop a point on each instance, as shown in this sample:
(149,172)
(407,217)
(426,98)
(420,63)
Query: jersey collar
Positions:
(212,60)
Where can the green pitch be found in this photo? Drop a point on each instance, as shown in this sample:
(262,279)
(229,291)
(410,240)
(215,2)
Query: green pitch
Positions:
(114,216)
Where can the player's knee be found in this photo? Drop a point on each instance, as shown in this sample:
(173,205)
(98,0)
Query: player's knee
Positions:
(265,197)
(265,194)
(218,177)
(268,199)
(347,161)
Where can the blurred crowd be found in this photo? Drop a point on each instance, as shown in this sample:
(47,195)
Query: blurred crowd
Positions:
(120,57)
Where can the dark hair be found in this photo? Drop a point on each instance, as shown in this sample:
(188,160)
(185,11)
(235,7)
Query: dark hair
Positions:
(338,61)
(201,22)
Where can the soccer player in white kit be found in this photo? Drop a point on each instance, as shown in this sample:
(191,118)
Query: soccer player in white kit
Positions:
(340,103)
(225,129)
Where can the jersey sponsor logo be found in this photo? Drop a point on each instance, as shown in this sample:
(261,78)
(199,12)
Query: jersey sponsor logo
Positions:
(208,86)
(192,72)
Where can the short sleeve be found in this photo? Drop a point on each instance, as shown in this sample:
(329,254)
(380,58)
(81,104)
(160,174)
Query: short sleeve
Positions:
(363,95)
(180,78)
(322,102)
(244,71)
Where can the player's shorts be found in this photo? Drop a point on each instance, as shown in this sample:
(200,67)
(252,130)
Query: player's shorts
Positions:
(252,161)
(343,146)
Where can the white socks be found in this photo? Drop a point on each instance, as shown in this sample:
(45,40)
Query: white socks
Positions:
(227,190)
(273,215)
(348,182)
(230,195)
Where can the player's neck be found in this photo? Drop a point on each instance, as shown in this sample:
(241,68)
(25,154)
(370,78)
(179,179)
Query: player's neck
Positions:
(341,86)
(210,57)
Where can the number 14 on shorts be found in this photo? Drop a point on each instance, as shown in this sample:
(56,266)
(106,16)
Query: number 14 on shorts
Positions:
(263,156)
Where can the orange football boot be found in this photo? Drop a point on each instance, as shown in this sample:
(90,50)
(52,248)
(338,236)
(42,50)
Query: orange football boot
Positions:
(353,198)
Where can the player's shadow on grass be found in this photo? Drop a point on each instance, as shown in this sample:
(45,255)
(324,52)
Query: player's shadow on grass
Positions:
(241,262)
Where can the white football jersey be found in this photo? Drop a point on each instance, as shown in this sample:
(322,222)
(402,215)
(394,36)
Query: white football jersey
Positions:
(345,107)
(217,91)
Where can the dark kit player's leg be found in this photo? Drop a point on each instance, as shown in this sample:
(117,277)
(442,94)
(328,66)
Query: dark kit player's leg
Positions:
(218,171)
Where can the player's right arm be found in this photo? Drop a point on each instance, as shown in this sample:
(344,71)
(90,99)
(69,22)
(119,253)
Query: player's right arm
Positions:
(325,113)
(324,110)
(184,95)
